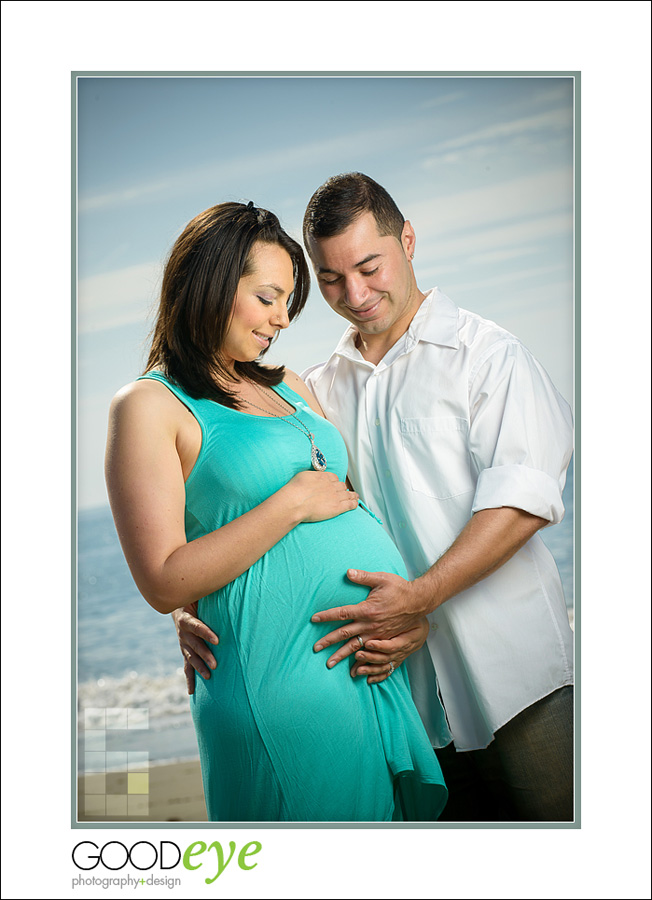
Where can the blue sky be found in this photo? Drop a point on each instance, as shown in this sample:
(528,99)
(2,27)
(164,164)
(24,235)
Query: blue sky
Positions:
(482,167)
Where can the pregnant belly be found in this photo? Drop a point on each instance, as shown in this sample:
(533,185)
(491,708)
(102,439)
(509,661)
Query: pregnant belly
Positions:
(304,573)
(263,620)
(354,540)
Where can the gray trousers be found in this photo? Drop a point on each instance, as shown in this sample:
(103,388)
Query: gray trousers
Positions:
(524,775)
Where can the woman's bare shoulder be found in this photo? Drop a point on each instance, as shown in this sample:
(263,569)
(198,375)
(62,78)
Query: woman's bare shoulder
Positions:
(146,398)
(292,379)
(137,392)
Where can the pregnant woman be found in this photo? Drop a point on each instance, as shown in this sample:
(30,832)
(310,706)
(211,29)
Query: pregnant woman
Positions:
(228,489)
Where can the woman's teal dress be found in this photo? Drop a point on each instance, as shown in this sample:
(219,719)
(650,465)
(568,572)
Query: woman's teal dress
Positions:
(282,737)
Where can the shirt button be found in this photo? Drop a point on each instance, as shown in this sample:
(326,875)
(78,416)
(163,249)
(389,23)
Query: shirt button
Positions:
(377,422)
(434,627)
(401,524)
(388,473)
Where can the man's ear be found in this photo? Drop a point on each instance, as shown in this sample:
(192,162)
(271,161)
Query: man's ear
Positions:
(408,239)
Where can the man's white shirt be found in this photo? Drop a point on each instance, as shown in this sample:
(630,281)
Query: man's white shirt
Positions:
(457,417)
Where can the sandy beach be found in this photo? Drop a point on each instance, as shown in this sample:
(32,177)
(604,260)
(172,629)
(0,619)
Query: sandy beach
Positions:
(170,792)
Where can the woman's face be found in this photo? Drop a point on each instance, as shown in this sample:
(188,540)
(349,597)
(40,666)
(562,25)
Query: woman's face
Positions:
(260,308)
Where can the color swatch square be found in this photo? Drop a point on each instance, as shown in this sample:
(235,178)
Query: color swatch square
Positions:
(94,717)
(138,784)
(95,740)
(116,717)
(116,805)
(138,760)
(95,783)
(94,762)
(116,783)
(94,805)
(116,759)
(138,805)
(138,717)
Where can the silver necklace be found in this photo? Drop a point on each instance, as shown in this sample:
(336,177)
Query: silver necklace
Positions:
(317,458)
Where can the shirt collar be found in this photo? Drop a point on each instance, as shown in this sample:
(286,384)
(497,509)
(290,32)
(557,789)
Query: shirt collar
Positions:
(435,322)
(346,346)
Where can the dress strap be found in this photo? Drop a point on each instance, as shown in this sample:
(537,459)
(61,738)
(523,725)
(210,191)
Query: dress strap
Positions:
(193,404)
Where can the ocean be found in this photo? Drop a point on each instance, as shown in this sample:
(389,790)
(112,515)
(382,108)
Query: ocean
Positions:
(128,655)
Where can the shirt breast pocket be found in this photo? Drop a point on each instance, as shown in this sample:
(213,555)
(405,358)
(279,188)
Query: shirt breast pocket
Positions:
(437,457)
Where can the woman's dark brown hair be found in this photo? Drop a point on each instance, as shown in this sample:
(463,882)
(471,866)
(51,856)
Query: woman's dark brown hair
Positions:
(199,286)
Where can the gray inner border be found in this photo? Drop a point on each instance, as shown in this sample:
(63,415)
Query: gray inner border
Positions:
(576,76)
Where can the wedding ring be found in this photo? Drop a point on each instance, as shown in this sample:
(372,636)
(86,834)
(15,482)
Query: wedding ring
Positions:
(392,667)
(360,641)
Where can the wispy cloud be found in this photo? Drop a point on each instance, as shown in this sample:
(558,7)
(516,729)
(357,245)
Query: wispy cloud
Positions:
(505,247)
(544,135)
(542,146)
(499,256)
(287,159)
(121,297)
(529,199)
(443,100)
(491,244)
(509,277)
(554,93)
(551,121)
(123,196)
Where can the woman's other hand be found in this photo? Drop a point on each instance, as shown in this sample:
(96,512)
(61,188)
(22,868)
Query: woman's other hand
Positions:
(319,495)
(193,634)
(379,659)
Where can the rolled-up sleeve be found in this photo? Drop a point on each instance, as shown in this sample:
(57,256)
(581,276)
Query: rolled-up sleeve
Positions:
(520,434)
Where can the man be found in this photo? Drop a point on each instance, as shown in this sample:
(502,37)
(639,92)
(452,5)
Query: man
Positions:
(460,442)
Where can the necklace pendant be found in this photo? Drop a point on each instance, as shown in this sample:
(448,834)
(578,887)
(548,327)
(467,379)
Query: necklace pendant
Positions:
(318,459)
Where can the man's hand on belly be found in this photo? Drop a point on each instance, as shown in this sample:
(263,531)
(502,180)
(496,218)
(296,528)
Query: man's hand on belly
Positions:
(392,607)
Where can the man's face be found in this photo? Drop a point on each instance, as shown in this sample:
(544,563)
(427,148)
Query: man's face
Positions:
(368,279)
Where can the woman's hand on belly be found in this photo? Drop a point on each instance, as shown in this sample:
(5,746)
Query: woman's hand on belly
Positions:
(319,496)
(379,659)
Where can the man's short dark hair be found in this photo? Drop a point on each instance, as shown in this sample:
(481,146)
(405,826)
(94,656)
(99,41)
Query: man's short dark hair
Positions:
(342,199)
